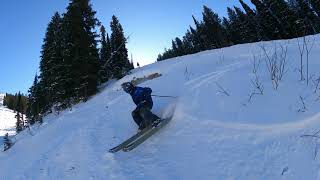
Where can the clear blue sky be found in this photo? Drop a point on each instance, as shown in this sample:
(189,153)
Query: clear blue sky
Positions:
(153,24)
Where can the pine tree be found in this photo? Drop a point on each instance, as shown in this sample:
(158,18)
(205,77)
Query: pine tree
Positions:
(7,143)
(213,31)
(252,23)
(11,101)
(247,34)
(80,52)
(270,20)
(131,63)
(316,6)
(50,63)
(199,40)
(269,27)
(284,15)
(56,87)
(5,100)
(119,61)
(174,48)
(188,43)
(19,123)
(308,19)
(233,27)
(227,26)
(105,54)
(34,100)
(180,47)
(247,9)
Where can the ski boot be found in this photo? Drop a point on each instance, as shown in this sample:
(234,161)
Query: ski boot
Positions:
(156,122)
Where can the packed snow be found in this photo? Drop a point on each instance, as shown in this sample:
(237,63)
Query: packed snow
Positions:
(217,131)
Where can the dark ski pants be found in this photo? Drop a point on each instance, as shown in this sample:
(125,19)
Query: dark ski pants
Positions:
(143,116)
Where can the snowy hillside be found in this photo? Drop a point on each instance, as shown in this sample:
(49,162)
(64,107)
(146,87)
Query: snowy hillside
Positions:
(1,99)
(223,126)
(7,120)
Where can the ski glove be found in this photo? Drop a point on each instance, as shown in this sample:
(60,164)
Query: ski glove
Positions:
(148,91)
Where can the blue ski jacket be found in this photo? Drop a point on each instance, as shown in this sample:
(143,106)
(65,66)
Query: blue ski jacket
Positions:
(142,96)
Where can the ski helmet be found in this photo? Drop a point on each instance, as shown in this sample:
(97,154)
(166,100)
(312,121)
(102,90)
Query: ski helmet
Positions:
(127,87)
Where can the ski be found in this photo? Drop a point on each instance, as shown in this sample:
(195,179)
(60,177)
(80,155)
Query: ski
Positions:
(129,140)
(133,144)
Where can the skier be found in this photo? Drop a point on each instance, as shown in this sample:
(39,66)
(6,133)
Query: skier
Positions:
(141,96)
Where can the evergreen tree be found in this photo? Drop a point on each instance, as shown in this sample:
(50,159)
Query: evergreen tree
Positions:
(269,27)
(19,122)
(11,101)
(7,143)
(34,100)
(174,48)
(50,62)
(233,27)
(284,15)
(308,19)
(105,54)
(247,9)
(131,63)
(180,47)
(199,40)
(188,43)
(213,32)
(4,102)
(316,6)
(245,31)
(227,26)
(248,26)
(270,20)
(80,52)
(119,61)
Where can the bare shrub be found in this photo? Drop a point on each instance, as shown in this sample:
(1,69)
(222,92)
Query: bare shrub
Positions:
(256,83)
(305,45)
(222,90)
(276,62)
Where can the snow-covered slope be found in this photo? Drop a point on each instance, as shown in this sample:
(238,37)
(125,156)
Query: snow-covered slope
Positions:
(212,135)
(7,120)
(1,99)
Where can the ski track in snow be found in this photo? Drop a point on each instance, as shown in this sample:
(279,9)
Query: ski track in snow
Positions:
(210,136)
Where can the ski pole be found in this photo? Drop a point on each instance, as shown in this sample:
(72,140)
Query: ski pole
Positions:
(164,96)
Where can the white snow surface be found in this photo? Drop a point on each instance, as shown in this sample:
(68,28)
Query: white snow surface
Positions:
(1,99)
(211,135)
(7,120)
